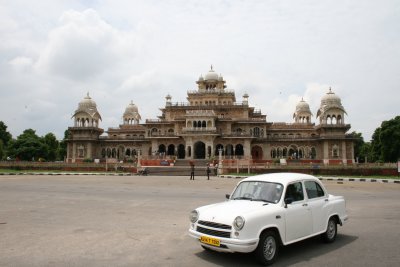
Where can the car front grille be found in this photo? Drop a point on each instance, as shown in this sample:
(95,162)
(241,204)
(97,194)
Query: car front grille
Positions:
(215,225)
(214,229)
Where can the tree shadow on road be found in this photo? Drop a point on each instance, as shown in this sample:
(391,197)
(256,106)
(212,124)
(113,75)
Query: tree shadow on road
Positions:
(289,255)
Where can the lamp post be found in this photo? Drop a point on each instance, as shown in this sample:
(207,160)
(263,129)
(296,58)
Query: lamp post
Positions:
(139,158)
(220,161)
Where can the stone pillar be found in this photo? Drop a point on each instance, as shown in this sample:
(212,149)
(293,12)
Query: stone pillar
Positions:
(325,152)
(73,156)
(344,152)
(247,149)
(89,151)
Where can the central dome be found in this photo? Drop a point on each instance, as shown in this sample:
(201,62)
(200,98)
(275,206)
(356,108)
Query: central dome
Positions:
(131,108)
(211,75)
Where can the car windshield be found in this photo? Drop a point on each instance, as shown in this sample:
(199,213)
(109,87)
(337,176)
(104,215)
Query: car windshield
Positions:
(258,191)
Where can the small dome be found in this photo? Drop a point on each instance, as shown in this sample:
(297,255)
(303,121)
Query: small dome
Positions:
(87,103)
(220,78)
(303,106)
(131,108)
(330,102)
(131,114)
(201,78)
(211,75)
(87,106)
(330,98)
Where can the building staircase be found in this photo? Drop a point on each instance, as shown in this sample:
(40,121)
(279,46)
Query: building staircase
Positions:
(181,168)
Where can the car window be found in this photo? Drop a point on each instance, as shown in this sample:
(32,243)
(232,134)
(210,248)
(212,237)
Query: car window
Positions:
(259,191)
(295,192)
(313,189)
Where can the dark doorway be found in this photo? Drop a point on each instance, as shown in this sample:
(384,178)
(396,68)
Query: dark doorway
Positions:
(199,150)
(161,148)
(239,150)
(181,151)
(256,152)
(171,150)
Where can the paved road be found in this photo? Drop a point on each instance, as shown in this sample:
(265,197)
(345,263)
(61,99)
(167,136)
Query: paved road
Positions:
(143,221)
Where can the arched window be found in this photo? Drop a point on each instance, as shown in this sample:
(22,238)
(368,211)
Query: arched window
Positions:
(335,151)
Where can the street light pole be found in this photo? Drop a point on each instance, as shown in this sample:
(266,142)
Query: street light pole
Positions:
(220,161)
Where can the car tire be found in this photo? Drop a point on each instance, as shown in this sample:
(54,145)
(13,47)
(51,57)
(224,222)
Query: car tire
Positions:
(268,247)
(331,231)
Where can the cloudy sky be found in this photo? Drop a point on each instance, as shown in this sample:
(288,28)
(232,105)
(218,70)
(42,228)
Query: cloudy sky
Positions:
(53,52)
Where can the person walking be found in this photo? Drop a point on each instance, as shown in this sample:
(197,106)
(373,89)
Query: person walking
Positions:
(191,170)
(208,171)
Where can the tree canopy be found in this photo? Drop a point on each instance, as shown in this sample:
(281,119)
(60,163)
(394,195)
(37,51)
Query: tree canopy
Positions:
(5,136)
(385,144)
(28,146)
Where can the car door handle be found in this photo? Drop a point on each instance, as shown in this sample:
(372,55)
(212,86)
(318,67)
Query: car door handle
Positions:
(305,205)
(326,200)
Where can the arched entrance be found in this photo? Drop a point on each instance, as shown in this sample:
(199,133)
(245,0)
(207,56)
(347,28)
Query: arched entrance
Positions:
(239,150)
(181,151)
(171,150)
(161,148)
(256,152)
(217,148)
(199,150)
(229,150)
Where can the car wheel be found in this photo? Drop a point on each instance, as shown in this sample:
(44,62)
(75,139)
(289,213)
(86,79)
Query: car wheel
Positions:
(331,231)
(267,249)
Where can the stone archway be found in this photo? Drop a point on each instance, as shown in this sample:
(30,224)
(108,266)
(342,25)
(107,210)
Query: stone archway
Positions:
(171,150)
(257,152)
(199,150)
(181,151)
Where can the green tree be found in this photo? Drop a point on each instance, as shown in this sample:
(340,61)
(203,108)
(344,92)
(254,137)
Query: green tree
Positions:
(28,146)
(52,143)
(385,144)
(1,150)
(358,144)
(4,135)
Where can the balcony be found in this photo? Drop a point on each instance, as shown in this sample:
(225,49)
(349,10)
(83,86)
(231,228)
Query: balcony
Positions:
(199,130)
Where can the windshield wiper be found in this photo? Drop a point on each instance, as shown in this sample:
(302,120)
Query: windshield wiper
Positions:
(261,199)
(240,198)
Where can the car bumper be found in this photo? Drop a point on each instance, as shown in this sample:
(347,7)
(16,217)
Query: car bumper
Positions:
(228,244)
(344,219)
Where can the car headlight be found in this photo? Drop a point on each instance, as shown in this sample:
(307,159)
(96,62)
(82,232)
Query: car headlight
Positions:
(238,223)
(194,215)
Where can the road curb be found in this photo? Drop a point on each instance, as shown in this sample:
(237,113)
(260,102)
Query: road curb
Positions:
(66,173)
(370,180)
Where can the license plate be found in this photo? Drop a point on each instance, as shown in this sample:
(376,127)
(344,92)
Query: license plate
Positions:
(210,241)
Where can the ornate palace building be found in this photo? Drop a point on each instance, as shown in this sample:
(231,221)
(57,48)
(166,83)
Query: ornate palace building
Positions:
(213,120)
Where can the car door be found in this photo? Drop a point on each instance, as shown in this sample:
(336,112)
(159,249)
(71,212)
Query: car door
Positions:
(317,201)
(298,215)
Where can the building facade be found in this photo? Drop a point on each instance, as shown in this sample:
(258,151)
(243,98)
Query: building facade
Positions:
(212,120)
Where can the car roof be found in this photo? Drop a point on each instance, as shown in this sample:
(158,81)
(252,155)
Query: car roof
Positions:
(282,177)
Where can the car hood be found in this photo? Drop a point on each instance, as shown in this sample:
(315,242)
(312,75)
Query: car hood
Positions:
(226,212)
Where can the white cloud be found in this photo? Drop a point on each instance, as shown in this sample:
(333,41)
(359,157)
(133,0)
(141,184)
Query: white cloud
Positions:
(84,46)
(21,64)
(276,51)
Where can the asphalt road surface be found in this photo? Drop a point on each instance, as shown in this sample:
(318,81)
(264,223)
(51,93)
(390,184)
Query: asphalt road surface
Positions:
(143,221)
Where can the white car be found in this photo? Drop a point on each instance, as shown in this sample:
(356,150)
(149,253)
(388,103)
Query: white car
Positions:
(267,211)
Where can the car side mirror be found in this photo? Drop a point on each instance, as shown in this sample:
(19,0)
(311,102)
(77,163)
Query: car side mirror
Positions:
(227,196)
(288,200)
